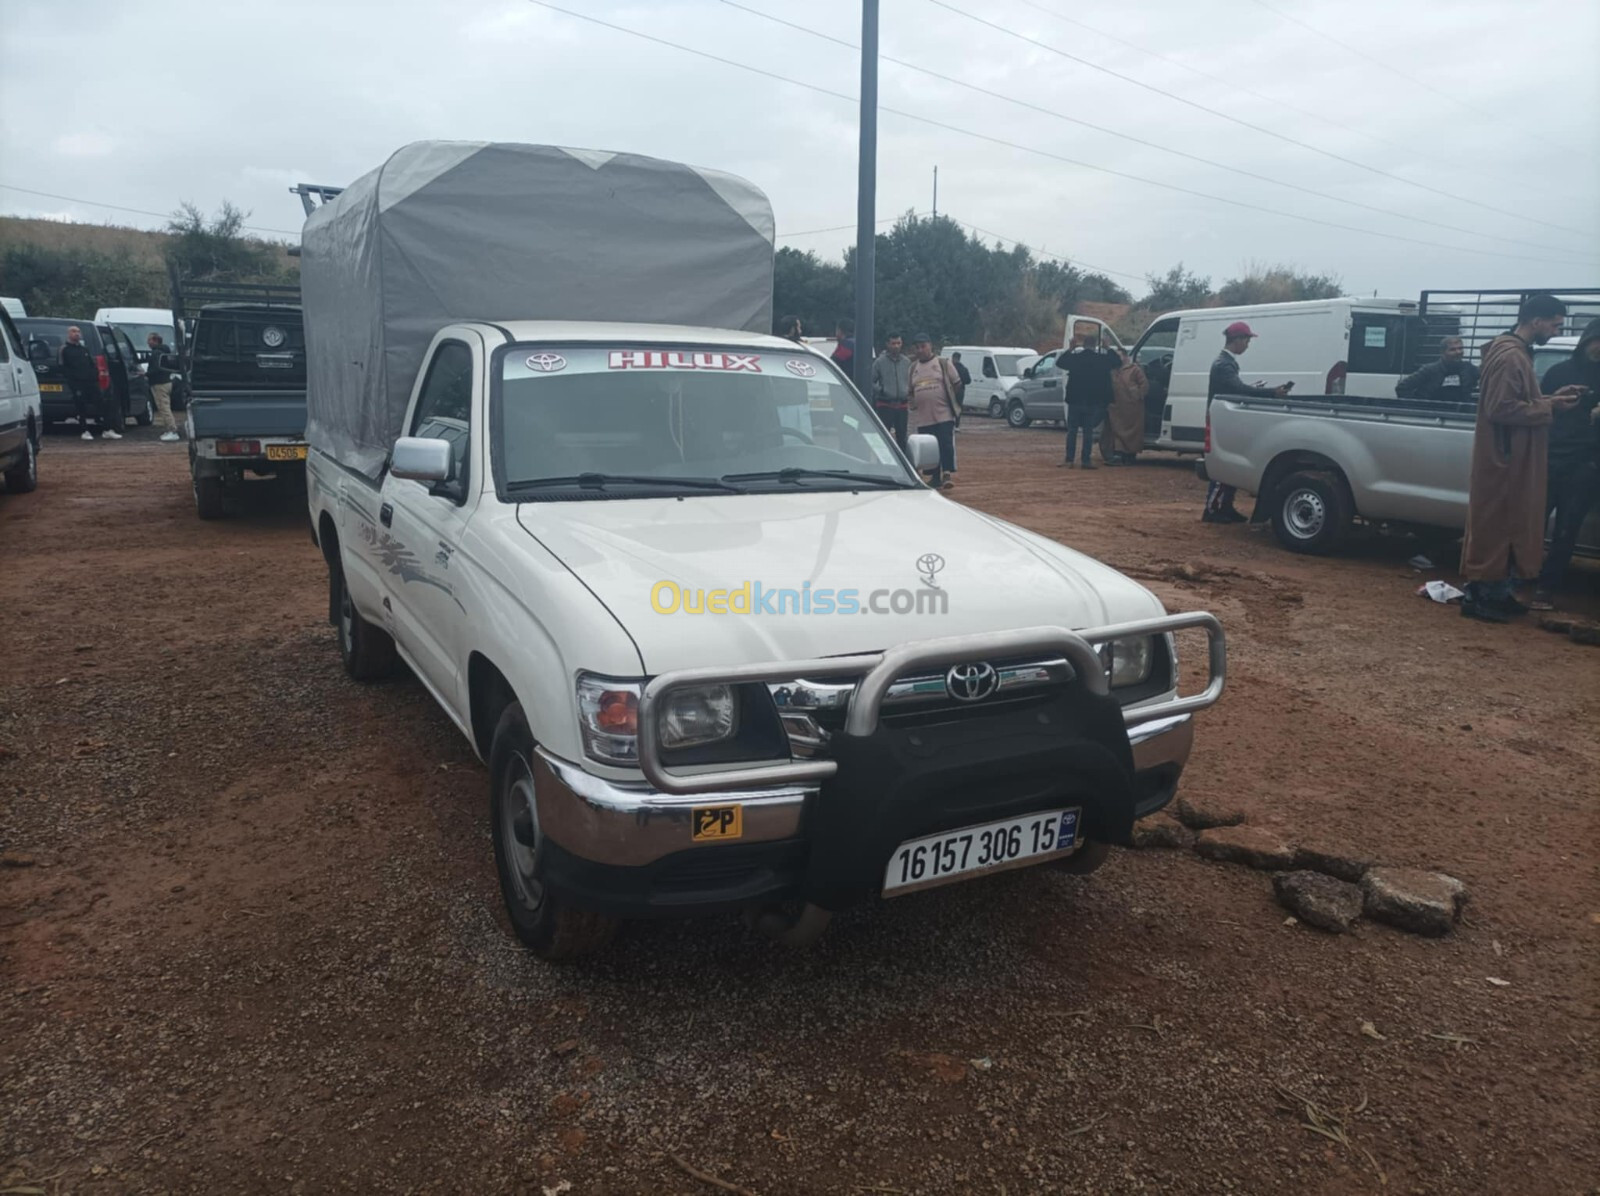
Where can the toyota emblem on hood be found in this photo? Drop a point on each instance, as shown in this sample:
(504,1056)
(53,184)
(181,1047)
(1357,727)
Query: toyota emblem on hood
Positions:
(971,682)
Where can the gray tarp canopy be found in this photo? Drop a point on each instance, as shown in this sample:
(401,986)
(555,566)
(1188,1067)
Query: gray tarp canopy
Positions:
(447,231)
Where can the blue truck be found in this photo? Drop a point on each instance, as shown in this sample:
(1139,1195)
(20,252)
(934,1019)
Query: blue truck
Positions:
(244,355)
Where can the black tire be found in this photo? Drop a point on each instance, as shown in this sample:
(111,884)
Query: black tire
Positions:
(23,477)
(1017,414)
(544,924)
(997,409)
(366,650)
(209,498)
(1085,860)
(1310,512)
(147,416)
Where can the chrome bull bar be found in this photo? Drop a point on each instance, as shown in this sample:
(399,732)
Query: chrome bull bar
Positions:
(879,670)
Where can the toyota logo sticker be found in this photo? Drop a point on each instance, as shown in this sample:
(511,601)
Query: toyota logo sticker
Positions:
(800,369)
(546,363)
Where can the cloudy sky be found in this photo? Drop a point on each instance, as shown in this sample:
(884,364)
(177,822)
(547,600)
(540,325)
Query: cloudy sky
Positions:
(1468,129)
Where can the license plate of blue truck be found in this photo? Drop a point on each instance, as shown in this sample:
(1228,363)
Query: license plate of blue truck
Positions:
(972,850)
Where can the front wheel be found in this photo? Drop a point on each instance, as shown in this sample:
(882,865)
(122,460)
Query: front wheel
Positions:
(23,477)
(208,497)
(1311,513)
(545,925)
(996,407)
(1017,414)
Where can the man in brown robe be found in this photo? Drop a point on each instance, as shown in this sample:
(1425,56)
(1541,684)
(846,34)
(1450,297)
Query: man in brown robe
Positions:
(1506,501)
(1123,435)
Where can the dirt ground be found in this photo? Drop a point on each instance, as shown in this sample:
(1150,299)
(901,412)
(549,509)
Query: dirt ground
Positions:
(252,940)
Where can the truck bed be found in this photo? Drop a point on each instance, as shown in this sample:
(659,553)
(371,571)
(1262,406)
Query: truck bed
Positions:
(221,414)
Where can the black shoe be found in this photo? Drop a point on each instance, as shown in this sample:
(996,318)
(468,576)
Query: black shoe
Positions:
(1229,515)
(1511,606)
(1088,465)
(1480,610)
(1214,517)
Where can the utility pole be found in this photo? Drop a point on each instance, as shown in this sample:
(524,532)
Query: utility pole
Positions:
(936,193)
(867,199)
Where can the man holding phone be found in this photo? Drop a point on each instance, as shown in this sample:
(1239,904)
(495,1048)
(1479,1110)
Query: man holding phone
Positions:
(1574,484)
(1225,380)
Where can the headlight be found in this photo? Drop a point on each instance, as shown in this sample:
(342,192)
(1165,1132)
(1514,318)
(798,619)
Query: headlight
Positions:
(695,717)
(608,712)
(1128,662)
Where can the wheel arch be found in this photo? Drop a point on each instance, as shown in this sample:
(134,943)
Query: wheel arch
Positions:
(327,533)
(1291,462)
(488,695)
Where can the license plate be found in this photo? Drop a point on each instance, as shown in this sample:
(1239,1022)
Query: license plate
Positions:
(957,855)
(50,388)
(286,452)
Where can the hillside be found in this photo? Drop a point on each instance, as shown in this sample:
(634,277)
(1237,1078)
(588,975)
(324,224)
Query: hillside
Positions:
(145,248)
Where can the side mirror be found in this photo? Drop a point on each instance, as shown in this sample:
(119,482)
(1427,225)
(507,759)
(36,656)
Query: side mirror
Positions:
(171,363)
(416,459)
(923,451)
(1028,373)
(39,352)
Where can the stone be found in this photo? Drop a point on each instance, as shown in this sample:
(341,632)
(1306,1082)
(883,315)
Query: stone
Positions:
(1332,859)
(1162,833)
(17,859)
(1246,845)
(1414,899)
(1586,633)
(1560,624)
(1319,900)
(1203,817)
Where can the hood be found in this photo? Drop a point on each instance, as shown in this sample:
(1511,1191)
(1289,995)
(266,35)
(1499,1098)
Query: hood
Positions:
(1590,335)
(994,576)
(1506,342)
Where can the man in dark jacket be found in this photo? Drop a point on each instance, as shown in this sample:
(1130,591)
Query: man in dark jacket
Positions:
(1225,380)
(1088,369)
(1574,482)
(1451,377)
(82,375)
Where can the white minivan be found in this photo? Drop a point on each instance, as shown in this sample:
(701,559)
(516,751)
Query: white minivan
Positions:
(1323,346)
(995,369)
(139,323)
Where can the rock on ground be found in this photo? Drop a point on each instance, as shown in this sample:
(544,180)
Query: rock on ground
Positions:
(1336,861)
(1201,816)
(1245,845)
(1319,900)
(1414,899)
(1162,833)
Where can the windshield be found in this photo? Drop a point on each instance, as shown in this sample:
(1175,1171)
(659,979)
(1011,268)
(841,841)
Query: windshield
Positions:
(687,414)
(139,334)
(1010,364)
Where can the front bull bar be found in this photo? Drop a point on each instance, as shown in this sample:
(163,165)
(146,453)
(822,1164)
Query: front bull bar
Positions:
(879,670)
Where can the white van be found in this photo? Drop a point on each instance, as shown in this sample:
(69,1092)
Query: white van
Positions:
(995,369)
(14,308)
(1323,346)
(139,323)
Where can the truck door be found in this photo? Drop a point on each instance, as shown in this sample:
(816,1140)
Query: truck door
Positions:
(426,522)
(1154,354)
(1045,394)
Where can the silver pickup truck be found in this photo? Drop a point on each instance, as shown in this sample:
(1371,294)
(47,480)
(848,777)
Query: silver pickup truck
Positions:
(1319,463)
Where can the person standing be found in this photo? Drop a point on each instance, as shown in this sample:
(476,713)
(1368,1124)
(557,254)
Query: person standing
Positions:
(161,386)
(1574,485)
(1124,433)
(934,389)
(844,351)
(82,375)
(791,329)
(1225,380)
(1451,377)
(891,387)
(1510,464)
(1089,394)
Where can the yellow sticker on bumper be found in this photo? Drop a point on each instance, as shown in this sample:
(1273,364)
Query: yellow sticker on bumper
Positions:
(718,822)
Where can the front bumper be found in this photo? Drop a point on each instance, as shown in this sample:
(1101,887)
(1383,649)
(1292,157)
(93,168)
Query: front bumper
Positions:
(814,829)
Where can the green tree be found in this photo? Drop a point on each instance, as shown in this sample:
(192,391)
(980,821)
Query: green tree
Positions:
(217,250)
(1277,284)
(1176,288)
(75,283)
(806,286)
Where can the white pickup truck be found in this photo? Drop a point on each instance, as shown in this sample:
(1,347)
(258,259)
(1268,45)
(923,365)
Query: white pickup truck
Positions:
(719,645)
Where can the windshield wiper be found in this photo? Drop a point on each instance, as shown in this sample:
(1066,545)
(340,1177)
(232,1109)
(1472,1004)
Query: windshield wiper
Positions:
(795,474)
(599,481)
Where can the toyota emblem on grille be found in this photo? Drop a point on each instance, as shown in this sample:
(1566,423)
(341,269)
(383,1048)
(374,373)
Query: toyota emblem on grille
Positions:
(971,682)
(547,363)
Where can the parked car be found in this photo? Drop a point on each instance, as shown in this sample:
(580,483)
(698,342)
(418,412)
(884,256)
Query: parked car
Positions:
(21,420)
(529,513)
(995,369)
(120,370)
(1325,346)
(1038,395)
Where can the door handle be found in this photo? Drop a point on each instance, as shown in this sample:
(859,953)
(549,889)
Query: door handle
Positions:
(386,514)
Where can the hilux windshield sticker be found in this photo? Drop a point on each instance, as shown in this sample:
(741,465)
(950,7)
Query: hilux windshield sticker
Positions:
(660,359)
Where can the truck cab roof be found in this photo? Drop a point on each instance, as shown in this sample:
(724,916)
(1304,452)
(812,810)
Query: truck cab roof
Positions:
(600,332)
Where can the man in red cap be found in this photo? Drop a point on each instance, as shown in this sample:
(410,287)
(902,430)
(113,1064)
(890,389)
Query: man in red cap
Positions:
(1225,380)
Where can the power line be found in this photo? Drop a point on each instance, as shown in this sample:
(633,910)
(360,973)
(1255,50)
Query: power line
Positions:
(1128,137)
(839,228)
(94,203)
(1029,149)
(1275,101)
(1378,62)
(1262,129)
